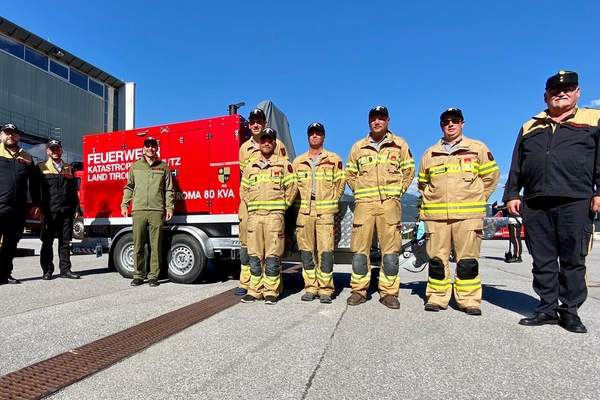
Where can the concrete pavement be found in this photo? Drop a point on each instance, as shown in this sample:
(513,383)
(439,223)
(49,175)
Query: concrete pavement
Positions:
(300,350)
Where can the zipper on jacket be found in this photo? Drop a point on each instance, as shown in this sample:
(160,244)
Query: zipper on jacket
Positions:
(554,129)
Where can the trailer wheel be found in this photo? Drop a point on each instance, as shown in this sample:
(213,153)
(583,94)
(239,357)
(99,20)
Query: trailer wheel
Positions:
(78,228)
(186,261)
(123,256)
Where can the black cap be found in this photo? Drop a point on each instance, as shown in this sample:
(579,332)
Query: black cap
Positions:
(257,112)
(150,140)
(563,78)
(316,126)
(53,143)
(455,111)
(268,132)
(379,110)
(9,127)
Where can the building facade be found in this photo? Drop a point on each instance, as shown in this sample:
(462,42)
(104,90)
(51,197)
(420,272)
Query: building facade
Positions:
(50,93)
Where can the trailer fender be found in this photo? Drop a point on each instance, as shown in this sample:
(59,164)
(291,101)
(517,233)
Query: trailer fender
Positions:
(197,233)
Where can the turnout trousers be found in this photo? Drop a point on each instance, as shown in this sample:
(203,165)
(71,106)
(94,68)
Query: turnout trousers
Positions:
(59,225)
(385,217)
(465,235)
(12,222)
(244,262)
(315,237)
(147,224)
(266,242)
(559,237)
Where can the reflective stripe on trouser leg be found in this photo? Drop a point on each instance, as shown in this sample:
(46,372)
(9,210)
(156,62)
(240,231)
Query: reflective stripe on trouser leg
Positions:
(390,240)
(439,285)
(363,226)
(272,278)
(305,236)
(255,254)
(274,243)
(466,236)
(244,262)
(140,232)
(325,242)
(361,274)
(309,273)
(244,269)
(389,280)
(325,274)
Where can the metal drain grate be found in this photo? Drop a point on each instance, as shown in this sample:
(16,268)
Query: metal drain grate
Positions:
(46,377)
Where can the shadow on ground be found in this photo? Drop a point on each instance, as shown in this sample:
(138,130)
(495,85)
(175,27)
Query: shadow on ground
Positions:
(517,302)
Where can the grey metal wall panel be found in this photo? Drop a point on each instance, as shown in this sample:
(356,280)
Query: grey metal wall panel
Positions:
(47,106)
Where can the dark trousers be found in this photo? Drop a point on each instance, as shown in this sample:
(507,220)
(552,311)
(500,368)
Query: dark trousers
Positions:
(559,233)
(12,223)
(59,225)
(514,233)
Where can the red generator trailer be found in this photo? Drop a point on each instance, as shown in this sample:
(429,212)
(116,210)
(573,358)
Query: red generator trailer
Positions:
(203,157)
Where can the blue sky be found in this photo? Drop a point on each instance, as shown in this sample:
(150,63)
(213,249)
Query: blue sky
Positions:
(331,61)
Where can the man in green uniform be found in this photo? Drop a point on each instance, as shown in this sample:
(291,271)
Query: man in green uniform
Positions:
(150,187)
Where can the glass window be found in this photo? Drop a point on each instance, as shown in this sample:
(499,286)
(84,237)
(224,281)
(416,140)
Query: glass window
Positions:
(59,69)
(12,47)
(96,88)
(78,79)
(35,58)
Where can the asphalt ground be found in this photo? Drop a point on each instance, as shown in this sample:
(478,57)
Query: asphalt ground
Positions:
(305,350)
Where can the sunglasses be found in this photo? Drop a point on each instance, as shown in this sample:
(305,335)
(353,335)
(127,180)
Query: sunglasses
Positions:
(566,90)
(455,121)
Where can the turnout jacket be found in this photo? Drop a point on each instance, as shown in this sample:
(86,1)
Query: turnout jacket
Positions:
(59,189)
(271,188)
(17,175)
(379,175)
(149,186)
(330,182)
(556,158)
(247,154)
(457,185)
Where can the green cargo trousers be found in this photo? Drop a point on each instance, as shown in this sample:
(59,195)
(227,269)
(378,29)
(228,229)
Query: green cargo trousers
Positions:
(147,223)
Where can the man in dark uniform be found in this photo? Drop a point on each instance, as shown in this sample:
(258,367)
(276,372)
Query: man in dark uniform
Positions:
(556,160)
(60,204)
(17,174)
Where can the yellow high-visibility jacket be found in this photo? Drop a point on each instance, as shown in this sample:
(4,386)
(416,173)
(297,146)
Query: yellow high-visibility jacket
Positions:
(247,154)
(330,182)
(379,175)
(271,188)
(457,185)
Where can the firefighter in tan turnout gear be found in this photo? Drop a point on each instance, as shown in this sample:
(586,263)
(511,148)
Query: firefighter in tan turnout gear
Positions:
(379,170)
(456,177)
(250,151)
(269,186)
(321,183)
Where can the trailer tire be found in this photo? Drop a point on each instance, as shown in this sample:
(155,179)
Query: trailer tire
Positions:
(185,260)
(123,256)
(78,228)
